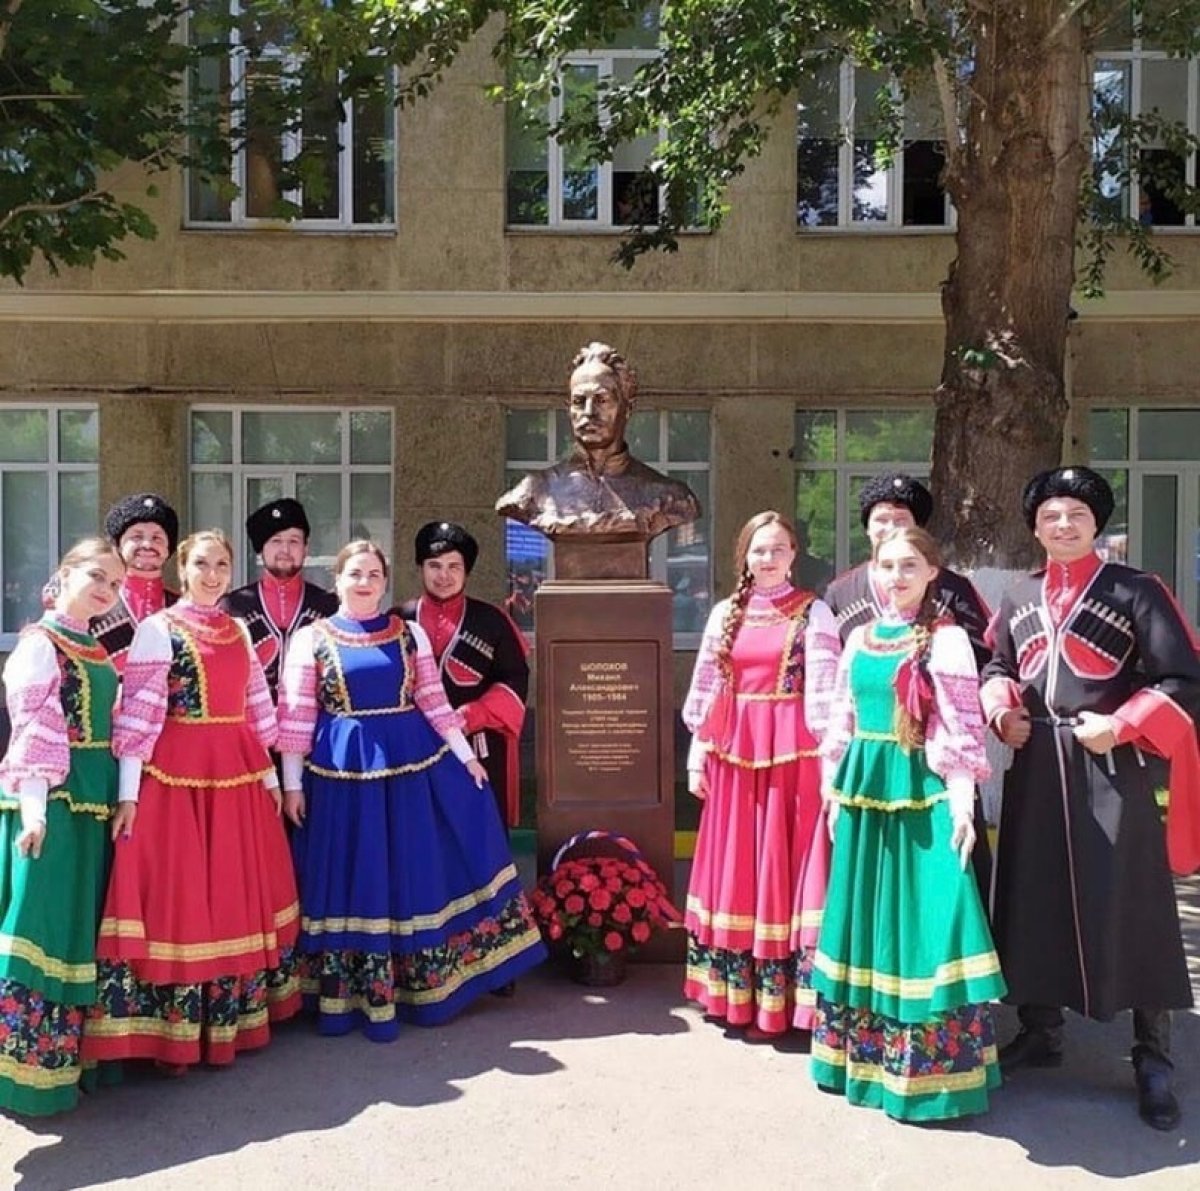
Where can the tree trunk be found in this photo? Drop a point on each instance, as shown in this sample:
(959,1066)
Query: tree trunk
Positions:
(1001,405)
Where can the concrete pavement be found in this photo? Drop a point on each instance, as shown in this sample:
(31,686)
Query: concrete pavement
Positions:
(594,1089)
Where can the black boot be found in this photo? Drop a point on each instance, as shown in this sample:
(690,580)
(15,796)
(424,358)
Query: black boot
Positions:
(1033,1047)
(1157,1105)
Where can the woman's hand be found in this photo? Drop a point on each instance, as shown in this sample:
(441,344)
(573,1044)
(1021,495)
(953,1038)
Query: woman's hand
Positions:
(294,806)
(476,770)
(962,838)
(29,842)
(833,808)
(122,820)
(697,786)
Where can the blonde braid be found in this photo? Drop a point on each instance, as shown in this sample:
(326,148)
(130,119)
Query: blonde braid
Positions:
(734,615)
(910,731)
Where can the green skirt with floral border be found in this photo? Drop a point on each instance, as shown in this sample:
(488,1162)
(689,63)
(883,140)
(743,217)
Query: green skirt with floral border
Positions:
(50,907)
(904,970)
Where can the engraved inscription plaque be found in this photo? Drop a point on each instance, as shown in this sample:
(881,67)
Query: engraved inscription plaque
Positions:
(607,741)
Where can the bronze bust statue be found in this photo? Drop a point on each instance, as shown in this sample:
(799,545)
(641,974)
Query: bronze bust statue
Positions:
(600,491)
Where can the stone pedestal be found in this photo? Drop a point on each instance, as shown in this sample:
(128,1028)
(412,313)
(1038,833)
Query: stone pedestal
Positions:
(605,707)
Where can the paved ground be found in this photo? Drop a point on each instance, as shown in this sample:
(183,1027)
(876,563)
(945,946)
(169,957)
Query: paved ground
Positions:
(628,1088)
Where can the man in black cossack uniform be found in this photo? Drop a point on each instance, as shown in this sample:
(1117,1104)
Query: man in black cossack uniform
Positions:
(888,502)
(145,531)
(280,601)
(1094,667)
(480,653)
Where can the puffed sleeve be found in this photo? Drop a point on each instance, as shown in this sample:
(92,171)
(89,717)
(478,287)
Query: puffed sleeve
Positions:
(706,678)
(822,648)
(142,710)
(297,705)
(430,696)
(954,733)
(38,756)
(260,709)
(840,729)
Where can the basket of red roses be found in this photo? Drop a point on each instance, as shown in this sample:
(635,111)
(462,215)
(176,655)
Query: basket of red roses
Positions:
(600,900)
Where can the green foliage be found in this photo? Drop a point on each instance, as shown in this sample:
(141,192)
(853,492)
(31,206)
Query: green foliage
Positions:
(90,84)
(85,86)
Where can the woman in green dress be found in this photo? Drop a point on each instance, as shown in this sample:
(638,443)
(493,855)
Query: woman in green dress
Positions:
(905,966)
(58,786)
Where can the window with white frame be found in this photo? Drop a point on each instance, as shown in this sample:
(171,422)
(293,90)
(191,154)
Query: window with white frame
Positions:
(49,499)
(1151,457)
(1133,77)
(553,185)
(676,442)
(304,154)
(836,451)
(847,172)
(336,462)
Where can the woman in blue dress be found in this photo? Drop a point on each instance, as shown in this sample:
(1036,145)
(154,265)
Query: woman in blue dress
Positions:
(411,906)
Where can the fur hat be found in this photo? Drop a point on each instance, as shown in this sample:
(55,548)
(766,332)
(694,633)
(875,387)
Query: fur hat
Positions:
(1079,482)
(441,537)
(142,506)
(274,517)
(895,488)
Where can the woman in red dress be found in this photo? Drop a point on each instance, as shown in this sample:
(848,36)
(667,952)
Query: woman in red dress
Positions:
(195,948)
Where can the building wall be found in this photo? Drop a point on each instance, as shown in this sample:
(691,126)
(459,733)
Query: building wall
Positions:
(449,319)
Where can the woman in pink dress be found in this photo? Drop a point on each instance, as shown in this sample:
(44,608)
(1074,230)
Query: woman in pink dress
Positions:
(758,703)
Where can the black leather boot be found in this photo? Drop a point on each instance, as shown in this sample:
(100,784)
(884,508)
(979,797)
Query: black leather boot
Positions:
(1157,1105)
(1033,1047)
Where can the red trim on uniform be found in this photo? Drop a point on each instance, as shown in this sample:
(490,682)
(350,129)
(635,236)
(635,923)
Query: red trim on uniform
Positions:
(499,710)
(1155,722)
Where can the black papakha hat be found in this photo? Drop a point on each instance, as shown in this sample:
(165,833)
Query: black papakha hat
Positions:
(142,506)
(895,488)
(441,537)
(1079,482)
(274,517)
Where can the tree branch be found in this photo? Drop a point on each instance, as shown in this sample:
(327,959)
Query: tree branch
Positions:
(945,90)
(37,98)
(10,11)
(158,158)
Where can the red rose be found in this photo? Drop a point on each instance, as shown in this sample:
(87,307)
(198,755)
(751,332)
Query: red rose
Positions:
(562,888)
(555,930)
(640,931)
(613,884)
(574,904)
(636,898)
(622,913)
(595,920)
(589,881)
(600,899)
(613,941)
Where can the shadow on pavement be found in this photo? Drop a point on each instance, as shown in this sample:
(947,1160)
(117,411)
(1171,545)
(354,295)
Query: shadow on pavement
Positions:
(303,1082)
(1084,1114)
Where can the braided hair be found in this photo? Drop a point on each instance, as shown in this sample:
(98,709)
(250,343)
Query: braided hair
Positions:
(910,730)
(735,613)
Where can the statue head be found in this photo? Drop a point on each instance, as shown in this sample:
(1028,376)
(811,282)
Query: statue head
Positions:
(602,394)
